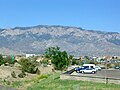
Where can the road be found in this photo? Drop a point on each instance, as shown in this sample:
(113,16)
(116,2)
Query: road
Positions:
(103,73)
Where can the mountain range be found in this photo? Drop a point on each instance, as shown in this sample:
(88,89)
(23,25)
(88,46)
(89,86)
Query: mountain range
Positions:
(74,40)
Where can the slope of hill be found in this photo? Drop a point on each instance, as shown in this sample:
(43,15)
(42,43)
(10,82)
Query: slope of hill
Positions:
(74,40)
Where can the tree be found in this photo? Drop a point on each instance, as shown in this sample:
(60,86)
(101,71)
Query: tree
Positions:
(51,51)
(59,58)
(73,61)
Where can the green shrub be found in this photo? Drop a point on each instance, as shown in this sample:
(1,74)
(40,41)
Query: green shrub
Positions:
(6,82)
(13,74)
(1,60)
(7,61)
(109,66)
(22,74)
(28,66)
(45,61)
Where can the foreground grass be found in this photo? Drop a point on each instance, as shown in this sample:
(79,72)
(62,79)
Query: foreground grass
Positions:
(48,82)
(57,84)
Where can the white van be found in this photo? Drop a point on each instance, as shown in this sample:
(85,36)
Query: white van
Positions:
(89,68)
(89,65)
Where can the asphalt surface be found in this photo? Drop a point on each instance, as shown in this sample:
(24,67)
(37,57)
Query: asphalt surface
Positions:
(103,73)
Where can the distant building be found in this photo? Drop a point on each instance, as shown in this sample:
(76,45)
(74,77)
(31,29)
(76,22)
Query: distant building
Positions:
(76,57)
(108,57)
(30,55)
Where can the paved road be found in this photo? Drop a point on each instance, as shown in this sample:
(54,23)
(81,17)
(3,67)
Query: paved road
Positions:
(103,73)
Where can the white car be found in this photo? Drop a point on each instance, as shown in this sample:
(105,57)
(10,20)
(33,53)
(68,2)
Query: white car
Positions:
(89,70)
(98,68)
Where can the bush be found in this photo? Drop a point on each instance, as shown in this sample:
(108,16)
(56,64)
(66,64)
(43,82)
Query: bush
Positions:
(22,74)
(109,66)
(13,74)
(1,60)
(45,61)
(7,61)
(28,66)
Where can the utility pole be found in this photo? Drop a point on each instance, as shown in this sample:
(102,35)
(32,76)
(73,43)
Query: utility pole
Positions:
(106,79)
(53,73)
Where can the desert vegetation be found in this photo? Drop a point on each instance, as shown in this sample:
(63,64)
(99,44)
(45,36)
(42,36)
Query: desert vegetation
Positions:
(31,74)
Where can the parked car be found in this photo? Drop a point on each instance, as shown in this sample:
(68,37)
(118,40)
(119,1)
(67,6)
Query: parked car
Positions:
(84,67)
(89,70)
(98,68)
(117,67)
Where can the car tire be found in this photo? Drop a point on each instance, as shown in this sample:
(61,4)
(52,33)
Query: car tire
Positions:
(82,71)
(93,72)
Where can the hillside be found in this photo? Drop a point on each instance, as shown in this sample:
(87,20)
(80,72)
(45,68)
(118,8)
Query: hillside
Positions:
(74,40)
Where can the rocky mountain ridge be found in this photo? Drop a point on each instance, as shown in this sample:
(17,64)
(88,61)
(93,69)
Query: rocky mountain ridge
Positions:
(74,40)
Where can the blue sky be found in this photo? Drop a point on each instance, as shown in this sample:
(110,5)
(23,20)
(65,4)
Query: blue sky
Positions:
(103,15)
